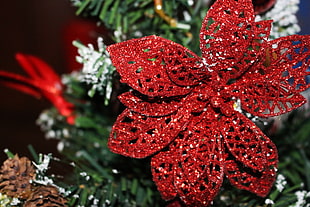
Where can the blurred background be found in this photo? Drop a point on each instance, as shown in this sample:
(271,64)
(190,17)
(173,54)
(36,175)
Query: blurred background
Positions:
(33,27)
(37,27)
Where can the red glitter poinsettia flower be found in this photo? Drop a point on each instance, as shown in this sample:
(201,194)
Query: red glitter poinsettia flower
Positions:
(190,112)
(260,6)
(42,82)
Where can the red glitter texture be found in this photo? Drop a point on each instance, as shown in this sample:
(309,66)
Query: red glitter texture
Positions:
(185,112)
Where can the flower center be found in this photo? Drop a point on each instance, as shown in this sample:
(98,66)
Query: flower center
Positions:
(226,108)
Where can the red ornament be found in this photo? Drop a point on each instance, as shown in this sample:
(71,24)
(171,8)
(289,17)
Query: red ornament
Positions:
(84,30)
(185,112)
(43,82)
(261,6)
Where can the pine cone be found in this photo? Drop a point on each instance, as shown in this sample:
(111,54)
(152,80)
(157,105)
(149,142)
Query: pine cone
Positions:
(15,177)
(45,196)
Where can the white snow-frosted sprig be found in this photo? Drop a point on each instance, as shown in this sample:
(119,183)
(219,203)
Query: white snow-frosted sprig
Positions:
(280,182)
(15,202)
(269,201)
(42,165)
(85,175)
(284,18)
(47,121)
(237,105)
(97,68)
(302,197)
(119,34)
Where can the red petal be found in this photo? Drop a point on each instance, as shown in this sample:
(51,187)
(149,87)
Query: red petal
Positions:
(285,60)
(226,36)
(247,143)
(262,31)
(244,178)
(139,136)
(272,86)
(199,172)
(142,65)
(198,144)
(289,61)
(183,66)
(192,166)
(164,165)
(266,99)
(153,107)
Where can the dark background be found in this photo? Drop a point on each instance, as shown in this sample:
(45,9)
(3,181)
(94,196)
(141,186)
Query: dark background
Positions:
(37,27)
(33,27)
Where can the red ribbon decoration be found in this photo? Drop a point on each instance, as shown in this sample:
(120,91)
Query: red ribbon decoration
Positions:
(42,82)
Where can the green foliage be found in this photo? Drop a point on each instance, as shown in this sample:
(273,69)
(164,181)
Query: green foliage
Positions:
(135,18)
(99,184)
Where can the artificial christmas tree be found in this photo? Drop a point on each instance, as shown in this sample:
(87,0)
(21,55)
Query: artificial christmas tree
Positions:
(199,121)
